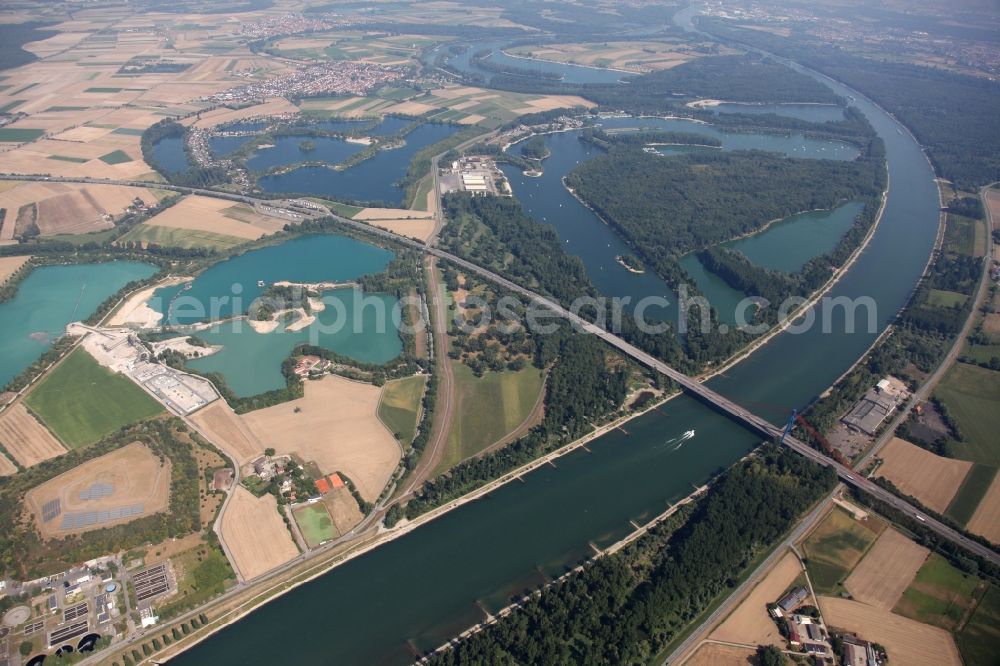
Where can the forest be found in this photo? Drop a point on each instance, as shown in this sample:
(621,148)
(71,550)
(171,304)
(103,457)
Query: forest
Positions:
(712,197)
(952,115)
(627,607)
(24,555)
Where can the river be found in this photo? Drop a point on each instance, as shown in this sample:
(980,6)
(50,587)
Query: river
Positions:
(415,591)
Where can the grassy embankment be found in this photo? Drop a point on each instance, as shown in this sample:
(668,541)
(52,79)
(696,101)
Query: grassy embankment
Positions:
(80,401)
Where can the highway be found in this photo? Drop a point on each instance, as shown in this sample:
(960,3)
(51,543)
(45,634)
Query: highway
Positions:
(692,386)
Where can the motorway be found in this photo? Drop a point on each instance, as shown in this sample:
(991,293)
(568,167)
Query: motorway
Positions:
(692,386)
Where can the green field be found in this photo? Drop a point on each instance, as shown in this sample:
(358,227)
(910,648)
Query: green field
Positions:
(204,573)
(972,397)
(488,408)
(981,353)
(963,235)
(128,131)
(400,405)
(420,198)
(186,238)
(970,493)
(116,157)
(53,109)
(11,105)
(344,210)
(80,401)
(103,90)
(64,158)
(979,638)
(834,548)
(315,523)
(939,595)
(939,298)
(19,134)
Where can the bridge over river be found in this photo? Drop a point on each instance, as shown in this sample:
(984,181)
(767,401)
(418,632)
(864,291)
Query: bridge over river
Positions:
(688,384)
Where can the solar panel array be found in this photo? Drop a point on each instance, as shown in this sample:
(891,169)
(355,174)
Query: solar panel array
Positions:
(66,632)
(51,509)
(74,612)
(97,491)
(73,521)
(150,582)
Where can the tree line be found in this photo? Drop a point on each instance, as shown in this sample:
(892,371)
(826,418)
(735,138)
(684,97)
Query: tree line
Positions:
(628,607)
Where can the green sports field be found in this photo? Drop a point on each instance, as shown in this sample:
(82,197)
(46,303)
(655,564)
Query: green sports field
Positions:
(316,525)
(400,405)
(81,402)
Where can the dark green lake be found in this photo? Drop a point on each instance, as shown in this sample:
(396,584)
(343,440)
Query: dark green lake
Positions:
(51,297)
(418,590)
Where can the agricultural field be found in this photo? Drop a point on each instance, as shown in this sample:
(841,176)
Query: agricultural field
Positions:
(458,104)
(415,224)
(200,221)
(149,234)
(10,265)
(946,299)
(315,523)
(626,56)
(886,570)
(71,208)
(126,477)
(713,654)
(80,401)
(972,397)
(835,546)
(932,479)
(399,407)
(357,46)
(227,431)
(939,595)
(336,426)
(511,396)
(25,439)
(751,623)
(255,534)
(343,509)
(971,493)
(906,641)
(986,519)
(6,467)
(979,638)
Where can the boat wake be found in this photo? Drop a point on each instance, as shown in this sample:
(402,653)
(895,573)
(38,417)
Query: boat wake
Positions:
(677,442)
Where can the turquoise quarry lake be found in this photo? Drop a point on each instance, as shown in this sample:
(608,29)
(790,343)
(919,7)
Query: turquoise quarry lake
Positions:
(351,324)
(51,297)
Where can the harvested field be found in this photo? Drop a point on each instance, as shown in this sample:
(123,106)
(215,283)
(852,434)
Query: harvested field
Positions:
(255,534)
(368,214)
(24,438)
(993,202)
(986,520)
(713,654)
(129,476)
(886,570)
(418,229)
(216,216)
(6,467)
(221,426)
(337,427)
(10,265)
(750,622)
(930,478)
(71,208)
(906,641)
(270,108)
(343,508)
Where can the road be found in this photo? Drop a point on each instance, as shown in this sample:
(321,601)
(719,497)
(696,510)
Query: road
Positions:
(924,391)
(691,385)
(736,597)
